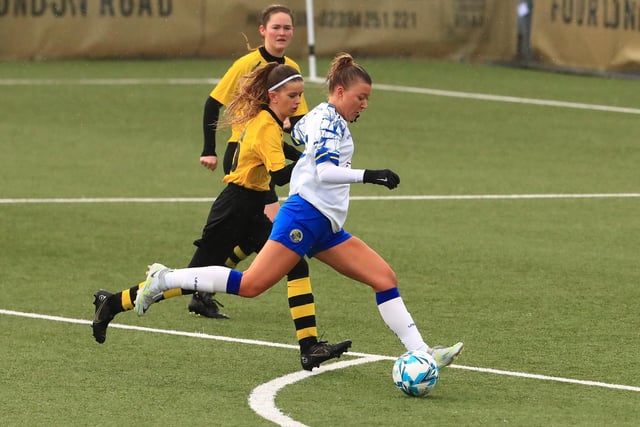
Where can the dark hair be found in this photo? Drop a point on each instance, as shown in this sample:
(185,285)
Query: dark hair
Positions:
(344,71)
(275,8)
(253,92)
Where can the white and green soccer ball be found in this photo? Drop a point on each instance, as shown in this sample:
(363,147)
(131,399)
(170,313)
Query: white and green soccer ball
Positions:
(416,373)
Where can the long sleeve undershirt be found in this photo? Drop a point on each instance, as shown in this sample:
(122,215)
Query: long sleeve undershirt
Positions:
(210,125)
(329,172)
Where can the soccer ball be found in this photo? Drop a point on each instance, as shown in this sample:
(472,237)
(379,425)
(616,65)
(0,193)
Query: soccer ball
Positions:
(416,373)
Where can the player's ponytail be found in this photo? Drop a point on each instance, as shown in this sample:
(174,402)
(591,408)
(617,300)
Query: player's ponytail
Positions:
(344,70)
(253,92)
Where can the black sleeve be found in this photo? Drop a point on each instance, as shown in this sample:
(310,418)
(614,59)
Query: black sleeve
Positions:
(290,152)
(293,120)
(283,176)
(210,125)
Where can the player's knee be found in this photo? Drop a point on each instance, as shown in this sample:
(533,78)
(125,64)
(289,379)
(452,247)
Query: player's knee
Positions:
(388,275)
(385,280)
(250,291)
(252,286)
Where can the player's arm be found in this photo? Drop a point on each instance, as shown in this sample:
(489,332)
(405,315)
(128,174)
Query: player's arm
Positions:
(210,116)
(332,173)
(273,155)
(327,158)
(283,176)
(222,94)
(290,122)
(290,152)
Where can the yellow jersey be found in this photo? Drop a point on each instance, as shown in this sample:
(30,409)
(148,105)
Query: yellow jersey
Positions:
(259,152)
(226,89)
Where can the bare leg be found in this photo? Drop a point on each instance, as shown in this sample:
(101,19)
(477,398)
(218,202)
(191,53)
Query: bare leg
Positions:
(271,264)
(356,260)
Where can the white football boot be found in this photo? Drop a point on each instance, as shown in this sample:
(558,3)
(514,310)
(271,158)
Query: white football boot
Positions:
(445,355)
(150,291)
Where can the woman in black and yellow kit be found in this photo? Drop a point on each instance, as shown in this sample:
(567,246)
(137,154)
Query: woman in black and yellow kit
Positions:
(270,95)
(277,31)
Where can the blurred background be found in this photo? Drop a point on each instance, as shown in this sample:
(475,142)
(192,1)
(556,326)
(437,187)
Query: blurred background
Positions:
(600,36)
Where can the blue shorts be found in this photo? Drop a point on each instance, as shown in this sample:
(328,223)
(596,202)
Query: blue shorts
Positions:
(304,229)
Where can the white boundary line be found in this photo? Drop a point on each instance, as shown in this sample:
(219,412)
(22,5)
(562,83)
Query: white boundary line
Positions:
(295,347)
(262,397)
(512,99)
(361,198)
(392,88)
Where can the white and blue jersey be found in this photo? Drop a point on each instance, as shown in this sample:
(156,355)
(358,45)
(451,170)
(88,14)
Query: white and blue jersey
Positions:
(326,137)
(311,219)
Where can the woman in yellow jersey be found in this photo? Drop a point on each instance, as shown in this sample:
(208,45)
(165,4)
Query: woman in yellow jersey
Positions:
(270,95)
(277,31)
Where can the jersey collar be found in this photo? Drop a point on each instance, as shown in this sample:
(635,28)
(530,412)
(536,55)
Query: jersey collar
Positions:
(275,116)
(270,58)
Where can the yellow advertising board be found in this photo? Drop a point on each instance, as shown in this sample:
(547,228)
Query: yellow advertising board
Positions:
(601,35)
(473,30)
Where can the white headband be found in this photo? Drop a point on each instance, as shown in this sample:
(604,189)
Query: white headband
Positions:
(277,85)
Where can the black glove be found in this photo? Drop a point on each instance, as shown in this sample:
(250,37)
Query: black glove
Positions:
(384,177)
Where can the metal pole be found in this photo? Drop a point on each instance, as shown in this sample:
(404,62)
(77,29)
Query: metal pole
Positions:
(311,40)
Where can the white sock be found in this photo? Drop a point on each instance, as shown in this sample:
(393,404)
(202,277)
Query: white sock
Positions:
(395,315)
(204,279)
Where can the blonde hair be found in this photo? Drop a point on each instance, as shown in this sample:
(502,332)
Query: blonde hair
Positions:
(253,92)
(344,71)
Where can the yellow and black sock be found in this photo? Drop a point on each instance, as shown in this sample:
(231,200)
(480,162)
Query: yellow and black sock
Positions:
(238,255)
(303,311)
(124,300)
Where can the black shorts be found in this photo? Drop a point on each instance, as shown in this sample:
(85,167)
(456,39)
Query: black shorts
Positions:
(236,218)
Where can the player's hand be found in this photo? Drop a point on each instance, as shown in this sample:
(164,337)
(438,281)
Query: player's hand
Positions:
(209,162)
(385,177)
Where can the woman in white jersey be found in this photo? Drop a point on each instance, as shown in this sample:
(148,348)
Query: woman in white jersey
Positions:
(310,221)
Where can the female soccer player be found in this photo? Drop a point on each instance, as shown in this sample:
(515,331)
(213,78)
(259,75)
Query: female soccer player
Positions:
(270,95)
(277,31)
(311,221)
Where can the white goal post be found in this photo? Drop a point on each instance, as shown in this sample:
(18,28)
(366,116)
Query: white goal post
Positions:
(311,41)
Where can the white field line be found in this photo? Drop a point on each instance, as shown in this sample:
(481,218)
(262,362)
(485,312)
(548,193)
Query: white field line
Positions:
(372,357)
(511,99)
(392,88)
(359,198)
(262,398)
